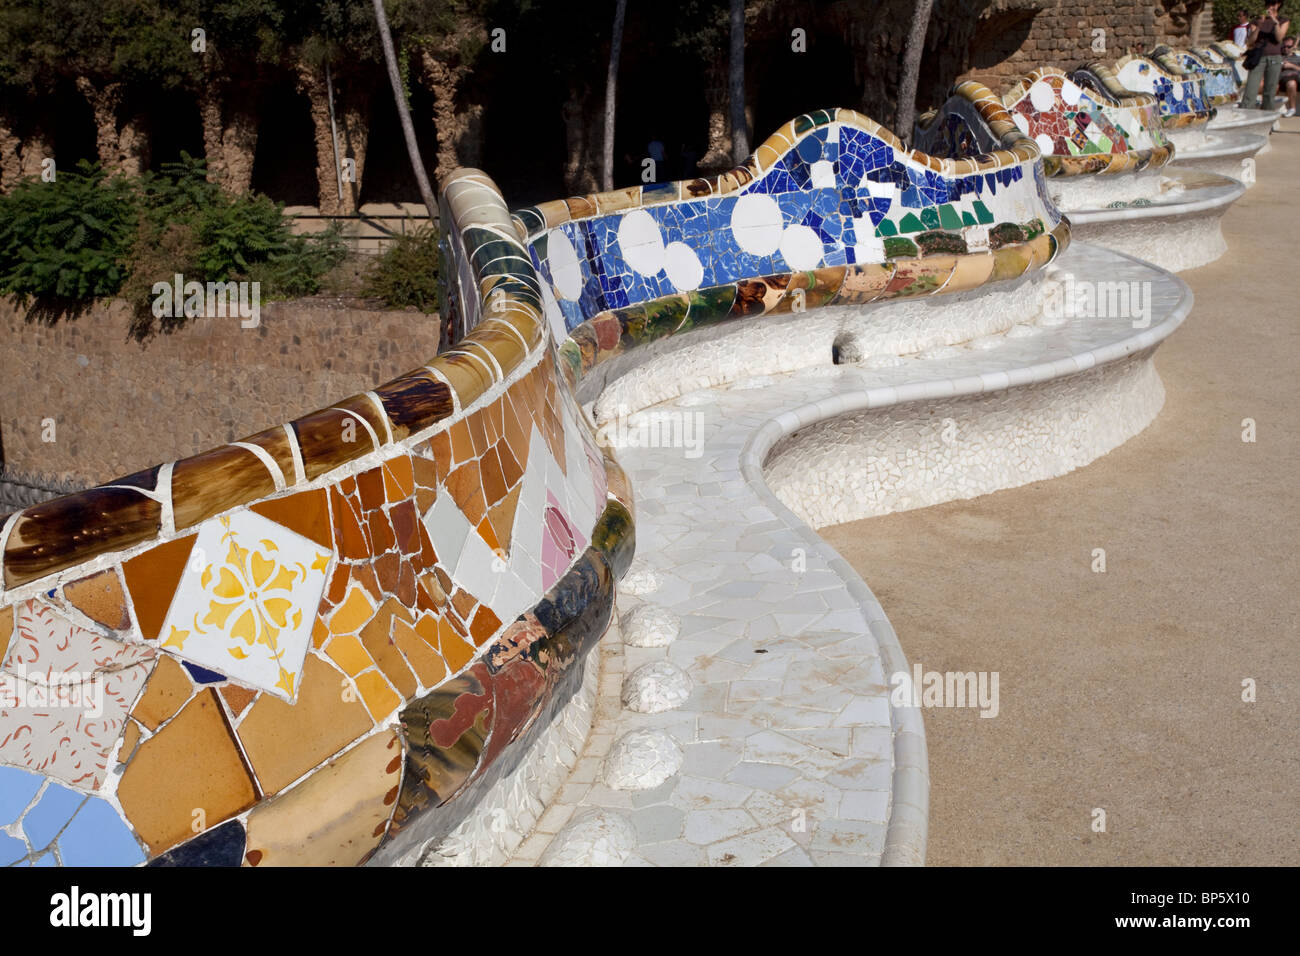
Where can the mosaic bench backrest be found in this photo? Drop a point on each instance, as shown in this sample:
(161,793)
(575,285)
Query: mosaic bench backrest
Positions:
(1218,81)
(1233,55)
(1082,132)
(1181,95)
(831,209)
(320,644)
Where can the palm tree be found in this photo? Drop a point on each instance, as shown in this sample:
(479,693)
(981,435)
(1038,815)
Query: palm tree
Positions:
(912,70)
(403,111)
(611,83)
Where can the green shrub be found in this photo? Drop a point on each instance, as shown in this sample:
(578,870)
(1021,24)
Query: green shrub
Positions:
(65,243)
(407,272)
(87,236)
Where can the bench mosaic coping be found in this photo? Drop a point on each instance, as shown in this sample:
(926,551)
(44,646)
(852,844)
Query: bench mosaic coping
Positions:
(1082,133)
(1181,95)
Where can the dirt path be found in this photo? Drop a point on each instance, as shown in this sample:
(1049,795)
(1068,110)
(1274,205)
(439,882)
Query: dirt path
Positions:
(1123,690)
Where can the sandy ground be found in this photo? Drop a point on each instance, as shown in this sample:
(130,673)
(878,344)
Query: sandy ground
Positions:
(1123,690)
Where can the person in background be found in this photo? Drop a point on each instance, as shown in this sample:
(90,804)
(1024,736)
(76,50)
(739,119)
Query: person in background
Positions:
(1266,34)
(1290,76)
(1241,30)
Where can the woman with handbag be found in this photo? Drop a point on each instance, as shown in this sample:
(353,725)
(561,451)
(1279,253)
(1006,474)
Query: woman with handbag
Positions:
(1264,59)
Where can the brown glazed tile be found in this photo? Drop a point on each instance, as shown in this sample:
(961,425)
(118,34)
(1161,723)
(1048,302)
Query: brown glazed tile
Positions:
(151,580)
(307,513)
(216,481)
(466,489)
(346,651)
(424,470)
(484,625)
(370,485)
(380,699)
(237,698)
(276,442)
(283,741)
(462,446)
(387,568)
(401,471)
(130,740)
(69,530)
(365,576)
(493,477)
(414,401)
(100,597)
(322,437)
(406,525)
(362,407)
(351,539)
(405,589)
(502,517)
(467,376)
(6,630)
(192,764)
(382,537)
(338,585)
(353,613)
(166,693)
(456,651)
(335,817)
(429,667)
(377,639)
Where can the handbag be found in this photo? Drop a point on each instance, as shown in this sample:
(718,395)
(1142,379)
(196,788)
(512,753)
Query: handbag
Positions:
(1253,56)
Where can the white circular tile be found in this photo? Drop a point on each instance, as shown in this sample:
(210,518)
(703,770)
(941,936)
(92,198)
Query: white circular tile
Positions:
(802,248)
(1022,122)
(683,266)
(641,242)
(1042,96)
(1045,143)
(566,270)
(1071,93)
(756,224)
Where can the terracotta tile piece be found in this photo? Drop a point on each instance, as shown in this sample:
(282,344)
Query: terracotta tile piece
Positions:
(151,579)
(100,597)
(283,742)
(166,693)
(191,765)
(335,817)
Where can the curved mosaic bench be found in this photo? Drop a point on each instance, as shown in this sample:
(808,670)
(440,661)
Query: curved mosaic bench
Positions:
(1117,191)
(1234,56)
(336,641)
(324,643)
(1185,115)
(1218,81)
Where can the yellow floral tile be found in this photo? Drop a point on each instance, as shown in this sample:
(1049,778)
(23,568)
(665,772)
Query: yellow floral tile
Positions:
(247,600)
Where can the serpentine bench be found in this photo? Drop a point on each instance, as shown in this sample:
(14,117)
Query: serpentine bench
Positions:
(1106,161)
(361,635)
(1186,112)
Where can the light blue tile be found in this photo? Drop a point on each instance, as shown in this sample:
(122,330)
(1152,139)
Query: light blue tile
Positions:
(17,787)
(97,836)
(44,821)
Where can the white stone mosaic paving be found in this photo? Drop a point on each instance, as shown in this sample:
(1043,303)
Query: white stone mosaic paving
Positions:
(790,753)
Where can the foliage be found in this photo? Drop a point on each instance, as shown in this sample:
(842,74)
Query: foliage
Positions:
(407,272)
(87,236)
(1225,15)
(65,243)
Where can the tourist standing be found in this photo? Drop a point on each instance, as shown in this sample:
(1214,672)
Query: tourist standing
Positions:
(1265,40)
(1241,30)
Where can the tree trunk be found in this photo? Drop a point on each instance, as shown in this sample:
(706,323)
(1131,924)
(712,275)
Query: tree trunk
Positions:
(120,149)
(736,84)
(912,70)
(578,177)
(229,136)
(351,111)
(611,98)
(11,164)
(717,155)
(36,147)
(442,80)
(403,111)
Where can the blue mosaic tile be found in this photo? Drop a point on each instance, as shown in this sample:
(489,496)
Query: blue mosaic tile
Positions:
(56,807)
(17,788)
(98,836)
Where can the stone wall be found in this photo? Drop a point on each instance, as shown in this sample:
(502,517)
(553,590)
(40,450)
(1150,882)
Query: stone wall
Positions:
(1015,36)
(118,405)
